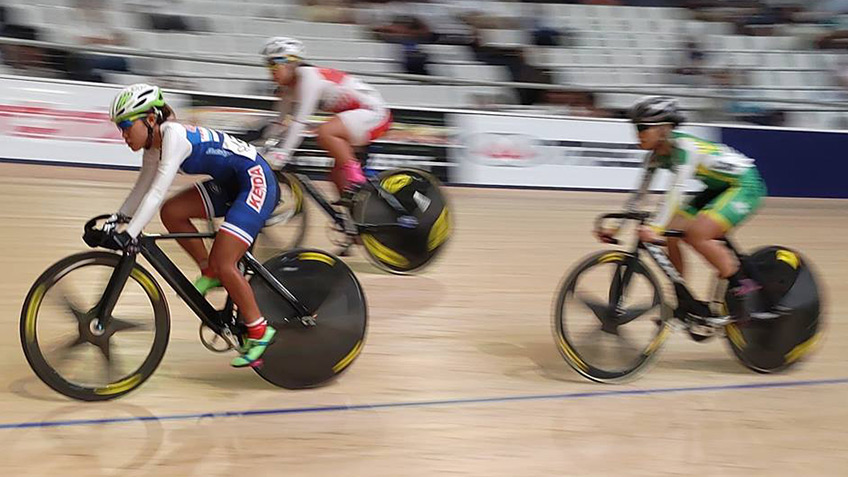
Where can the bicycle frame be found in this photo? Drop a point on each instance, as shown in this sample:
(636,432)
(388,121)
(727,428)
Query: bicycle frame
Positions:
(686,301)
(339,217)
(216,320)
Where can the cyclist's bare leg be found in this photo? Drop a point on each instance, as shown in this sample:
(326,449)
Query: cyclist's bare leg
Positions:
(702,235)
(334,138)
(679,222)
(176,214)
(227,250)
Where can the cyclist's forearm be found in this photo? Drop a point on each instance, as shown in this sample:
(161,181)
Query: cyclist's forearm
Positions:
(292,140)
(634,202)
(673,198)
(142,184)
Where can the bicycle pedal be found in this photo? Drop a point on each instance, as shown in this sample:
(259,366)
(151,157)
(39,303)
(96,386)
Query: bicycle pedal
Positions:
(718,321)
(257,364)
(703,331)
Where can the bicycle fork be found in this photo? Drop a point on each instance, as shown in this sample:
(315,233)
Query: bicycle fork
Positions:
(104,307)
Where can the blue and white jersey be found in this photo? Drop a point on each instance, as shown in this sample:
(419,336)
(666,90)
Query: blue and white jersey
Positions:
(195,150)
(216,153)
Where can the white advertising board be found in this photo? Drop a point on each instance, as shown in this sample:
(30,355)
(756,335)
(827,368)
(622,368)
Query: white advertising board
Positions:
(526,151)
(58,121)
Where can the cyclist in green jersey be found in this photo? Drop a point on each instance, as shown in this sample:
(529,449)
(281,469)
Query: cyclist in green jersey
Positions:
(733,189)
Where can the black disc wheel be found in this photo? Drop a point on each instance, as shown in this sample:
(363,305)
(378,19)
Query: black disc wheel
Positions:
(404,250)
(311,350)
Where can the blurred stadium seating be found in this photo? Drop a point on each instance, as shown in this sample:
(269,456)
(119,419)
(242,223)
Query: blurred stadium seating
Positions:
(608,47)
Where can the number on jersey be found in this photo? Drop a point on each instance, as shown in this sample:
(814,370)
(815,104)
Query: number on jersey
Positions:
(237,146)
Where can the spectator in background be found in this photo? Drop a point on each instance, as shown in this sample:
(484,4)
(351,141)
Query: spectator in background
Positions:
(331,11)
(477,13)
(603,2)
(764,19)
(737,108)
(409,32)
(93,28)
(19,57)
(152,14)
(692,64)
(575,103)
(540,29)
(29,60)
(837,37)
(523,72)
(515,61)
(587,102)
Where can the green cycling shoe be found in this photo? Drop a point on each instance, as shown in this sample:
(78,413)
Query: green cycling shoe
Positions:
(204,284)
(254,349)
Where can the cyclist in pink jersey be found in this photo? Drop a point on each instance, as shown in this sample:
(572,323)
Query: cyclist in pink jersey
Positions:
(361,115)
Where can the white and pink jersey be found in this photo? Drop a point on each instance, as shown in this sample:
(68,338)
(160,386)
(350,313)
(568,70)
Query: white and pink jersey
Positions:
(357,104)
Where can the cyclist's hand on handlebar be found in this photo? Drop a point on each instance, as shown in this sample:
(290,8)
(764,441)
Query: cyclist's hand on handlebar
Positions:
(276,159)
(649,235)
(120,241)
(605,234)
(114,220)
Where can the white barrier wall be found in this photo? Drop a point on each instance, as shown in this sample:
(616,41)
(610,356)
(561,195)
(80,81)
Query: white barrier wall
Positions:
(527,151)
(57,121)
(60,121)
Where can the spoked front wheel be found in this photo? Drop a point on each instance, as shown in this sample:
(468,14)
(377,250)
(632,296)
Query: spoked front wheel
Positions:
(71,350)
(427,221)
(310,351)
(610,336)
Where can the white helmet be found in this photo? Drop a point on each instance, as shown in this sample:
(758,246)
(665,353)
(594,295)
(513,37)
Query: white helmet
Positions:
(283,47)
(134,101)
(656,110)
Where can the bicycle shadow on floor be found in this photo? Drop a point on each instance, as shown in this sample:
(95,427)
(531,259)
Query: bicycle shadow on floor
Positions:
(30,387)
(77,430)
(232,380)
(721,365)
(408,293)
(544,360)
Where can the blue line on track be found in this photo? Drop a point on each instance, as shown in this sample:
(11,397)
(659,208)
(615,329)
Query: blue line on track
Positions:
(445,402)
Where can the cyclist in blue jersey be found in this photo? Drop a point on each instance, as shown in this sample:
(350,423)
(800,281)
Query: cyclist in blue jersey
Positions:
(242,189)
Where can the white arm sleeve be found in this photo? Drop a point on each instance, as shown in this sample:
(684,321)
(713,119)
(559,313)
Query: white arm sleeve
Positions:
(309,93)
(635,199)
(277,127)
(671,201)
(142,183)
(175,149)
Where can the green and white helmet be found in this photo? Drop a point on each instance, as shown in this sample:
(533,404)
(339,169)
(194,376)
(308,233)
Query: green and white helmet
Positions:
(135,101)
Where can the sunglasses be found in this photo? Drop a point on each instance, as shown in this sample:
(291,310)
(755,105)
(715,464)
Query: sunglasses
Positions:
(281,61)
(127,123)
(645,127)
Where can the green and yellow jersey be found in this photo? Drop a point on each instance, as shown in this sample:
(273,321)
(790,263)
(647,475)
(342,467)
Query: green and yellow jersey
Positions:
(733,185)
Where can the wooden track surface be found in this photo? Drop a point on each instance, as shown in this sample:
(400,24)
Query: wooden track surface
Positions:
(459,375)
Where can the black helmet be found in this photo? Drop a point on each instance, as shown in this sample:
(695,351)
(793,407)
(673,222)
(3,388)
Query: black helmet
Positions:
(656,110)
